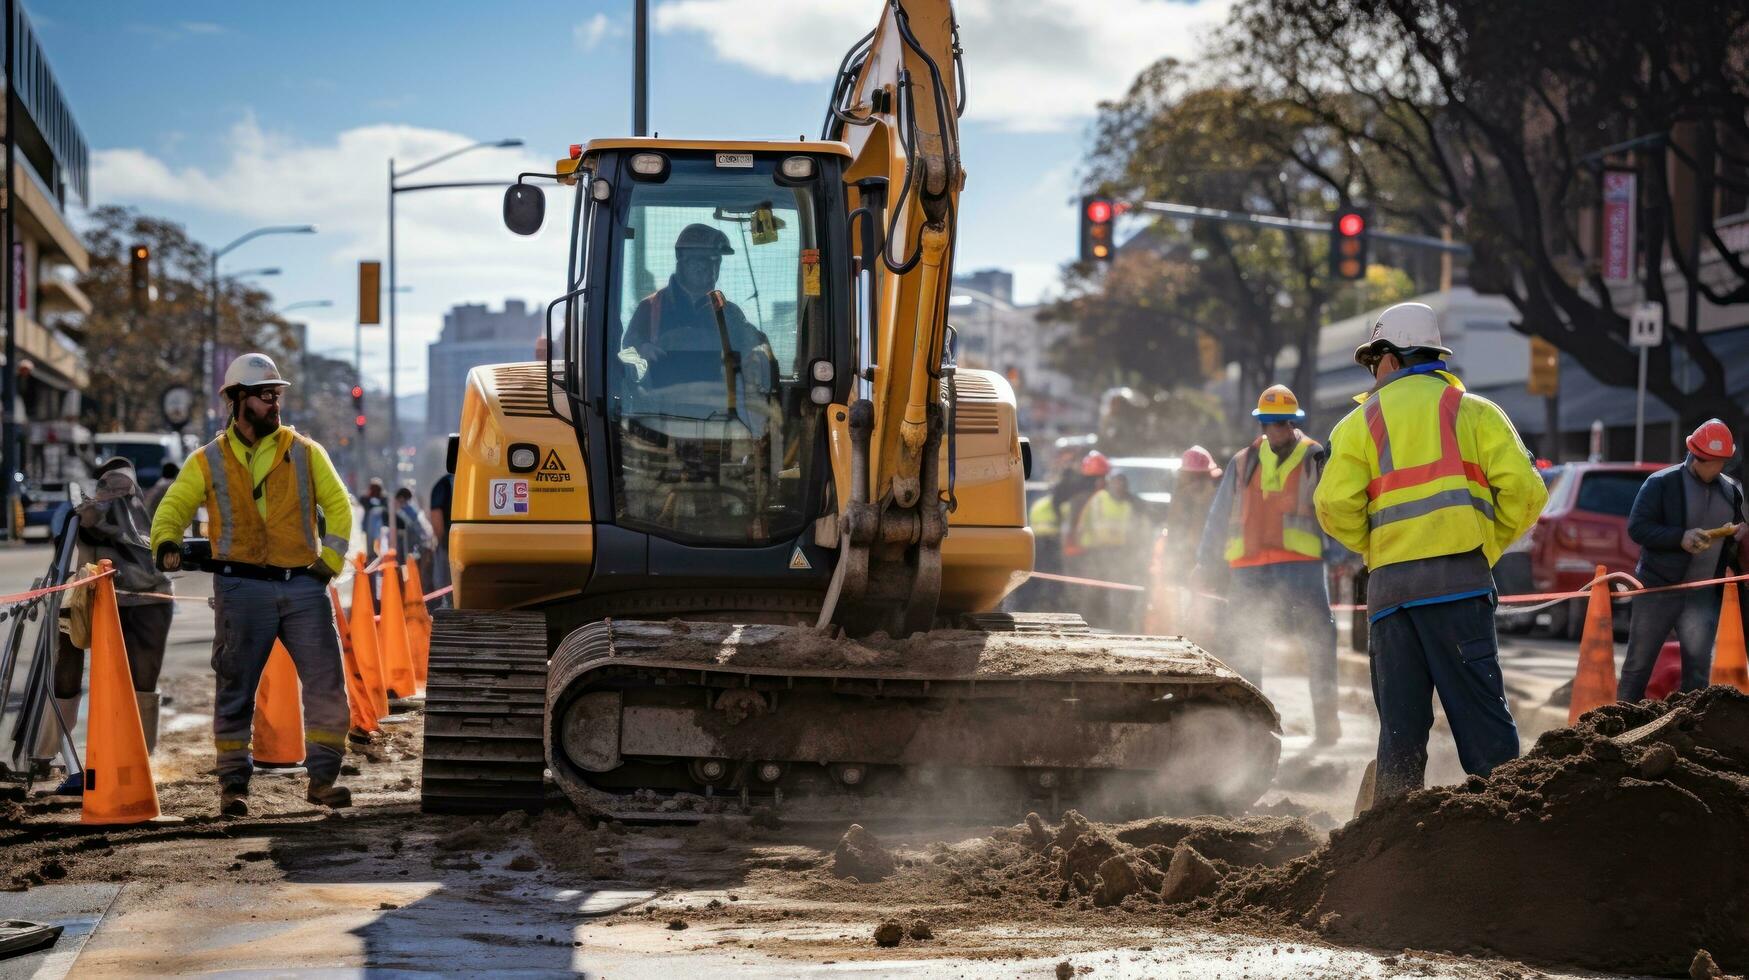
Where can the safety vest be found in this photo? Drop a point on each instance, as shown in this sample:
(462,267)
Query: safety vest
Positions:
(287,538)
(1273,518)
(1043,517)
(1427,495)
(1105,521)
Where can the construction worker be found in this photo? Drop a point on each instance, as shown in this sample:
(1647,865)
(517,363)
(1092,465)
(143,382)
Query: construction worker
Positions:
(1429,484)
(1109,532)
(1263,527)
(1047,550)
(685,305)
(1670,520)
(1193,492)
(267,491)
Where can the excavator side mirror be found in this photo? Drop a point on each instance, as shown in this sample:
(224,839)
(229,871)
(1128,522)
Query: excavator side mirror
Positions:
(525,207)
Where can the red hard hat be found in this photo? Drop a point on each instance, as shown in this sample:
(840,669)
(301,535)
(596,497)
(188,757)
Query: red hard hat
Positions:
(1095,464)
(1712,441)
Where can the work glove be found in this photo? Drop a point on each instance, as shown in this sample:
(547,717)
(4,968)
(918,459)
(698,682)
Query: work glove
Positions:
(169,557)
(1695,540)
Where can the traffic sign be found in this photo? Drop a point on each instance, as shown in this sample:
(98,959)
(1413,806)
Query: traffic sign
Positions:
(1646,327)
(177,404)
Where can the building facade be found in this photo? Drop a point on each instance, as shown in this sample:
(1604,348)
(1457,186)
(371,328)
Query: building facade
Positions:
(51,171)
(473,335)
(995,334)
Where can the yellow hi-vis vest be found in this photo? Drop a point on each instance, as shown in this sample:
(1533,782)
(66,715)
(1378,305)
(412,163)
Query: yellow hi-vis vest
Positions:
(1273,519)
(1105,521)
(287,538)
(1043,517)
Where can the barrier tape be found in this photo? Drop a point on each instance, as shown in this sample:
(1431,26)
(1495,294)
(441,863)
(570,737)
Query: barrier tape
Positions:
(19,598)
(1542,600)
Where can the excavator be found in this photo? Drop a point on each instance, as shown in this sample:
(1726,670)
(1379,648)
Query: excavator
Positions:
(744,528)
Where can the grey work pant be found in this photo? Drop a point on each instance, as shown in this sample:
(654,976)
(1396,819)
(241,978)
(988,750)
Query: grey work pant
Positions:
(1694,614)
(251,614)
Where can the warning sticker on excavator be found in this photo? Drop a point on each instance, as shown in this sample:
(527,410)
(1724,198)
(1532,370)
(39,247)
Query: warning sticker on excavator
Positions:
(810,272)
(799,561)
(734,159)
(508,497)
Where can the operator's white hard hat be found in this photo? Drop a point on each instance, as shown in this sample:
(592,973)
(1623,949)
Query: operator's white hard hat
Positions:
(1406,326)
(252,370)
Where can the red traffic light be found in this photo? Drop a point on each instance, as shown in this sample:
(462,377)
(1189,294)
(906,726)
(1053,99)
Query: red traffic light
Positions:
(358,391)
(360,421)
(1351,225)
(1099,212)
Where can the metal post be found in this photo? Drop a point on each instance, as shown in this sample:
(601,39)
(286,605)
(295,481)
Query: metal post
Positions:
(641,68)
(208,374)
(1640,412)
(394,419)
(9,464)
(358,454)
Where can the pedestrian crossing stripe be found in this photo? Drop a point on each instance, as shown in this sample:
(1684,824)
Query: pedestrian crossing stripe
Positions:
(799,561)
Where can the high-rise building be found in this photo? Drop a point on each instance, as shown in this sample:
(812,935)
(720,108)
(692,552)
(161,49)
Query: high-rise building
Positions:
(473,335)
(997,335)
(51,170)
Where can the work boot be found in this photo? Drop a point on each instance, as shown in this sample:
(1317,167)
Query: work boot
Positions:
(148,702)
(234,801)
(358,737)
(329,795)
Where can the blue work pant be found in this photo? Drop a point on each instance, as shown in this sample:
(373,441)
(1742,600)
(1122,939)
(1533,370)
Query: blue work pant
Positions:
(251,614)
(1290,600)
(1448,647)
(1694,614)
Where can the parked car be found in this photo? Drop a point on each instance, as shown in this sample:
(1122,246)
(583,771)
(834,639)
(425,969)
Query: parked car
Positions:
(1152,479)
(1584,525)
(148,451)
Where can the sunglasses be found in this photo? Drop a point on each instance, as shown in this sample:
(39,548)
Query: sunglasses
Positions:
(268,395)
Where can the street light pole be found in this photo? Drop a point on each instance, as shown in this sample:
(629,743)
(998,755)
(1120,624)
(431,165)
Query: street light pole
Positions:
(208,370)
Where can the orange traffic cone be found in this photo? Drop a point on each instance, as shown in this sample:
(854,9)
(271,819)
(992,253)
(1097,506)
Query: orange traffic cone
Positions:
(364,641)
(418,625)
(1730,666)
(392,633)
(118,769)
(279,712)
(357,691)
(1594,681)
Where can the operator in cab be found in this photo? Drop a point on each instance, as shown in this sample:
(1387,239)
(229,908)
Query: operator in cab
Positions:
(681,315)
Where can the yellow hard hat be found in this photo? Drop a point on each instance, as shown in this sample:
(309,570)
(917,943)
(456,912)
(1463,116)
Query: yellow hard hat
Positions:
(1278,404)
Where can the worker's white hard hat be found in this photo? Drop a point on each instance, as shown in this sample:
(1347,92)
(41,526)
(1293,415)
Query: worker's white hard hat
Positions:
(252,370)
(1406,326)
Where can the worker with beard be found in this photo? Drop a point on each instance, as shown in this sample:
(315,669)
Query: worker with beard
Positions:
(279,521)
(690,313)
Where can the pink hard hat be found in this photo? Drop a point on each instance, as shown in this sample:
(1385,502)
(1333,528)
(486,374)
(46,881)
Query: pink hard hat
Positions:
(1197,460)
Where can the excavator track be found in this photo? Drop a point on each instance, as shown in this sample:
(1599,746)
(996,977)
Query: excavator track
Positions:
(485,705)
(1003,711)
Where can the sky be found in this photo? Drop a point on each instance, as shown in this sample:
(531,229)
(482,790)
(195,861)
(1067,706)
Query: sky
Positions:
(228,116)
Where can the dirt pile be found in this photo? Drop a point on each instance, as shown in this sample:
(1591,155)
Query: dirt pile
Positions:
(1622,844)
(1081,864)
(860,856)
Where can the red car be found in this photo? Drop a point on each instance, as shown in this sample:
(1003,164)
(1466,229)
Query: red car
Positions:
(1585,524)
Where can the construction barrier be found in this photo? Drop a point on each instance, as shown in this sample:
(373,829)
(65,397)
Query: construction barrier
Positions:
(418,620)
(364,642)
(358,698)
(1594,681)
(392,633)
(118,769)
(1730,665)
(279,712)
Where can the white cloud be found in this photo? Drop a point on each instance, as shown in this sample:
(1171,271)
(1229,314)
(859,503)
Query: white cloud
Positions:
(451,245)
(1037,65)
(587,34)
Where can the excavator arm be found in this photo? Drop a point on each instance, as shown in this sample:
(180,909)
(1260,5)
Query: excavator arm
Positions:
(897,105)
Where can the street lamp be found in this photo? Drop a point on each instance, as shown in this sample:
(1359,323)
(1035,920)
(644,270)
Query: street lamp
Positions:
(209,370)
(307,304)
(251,273)
(394,188)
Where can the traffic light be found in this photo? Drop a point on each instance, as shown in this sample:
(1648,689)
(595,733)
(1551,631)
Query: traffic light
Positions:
(1348,243)
(358,406)
(140,276)
(1097,212)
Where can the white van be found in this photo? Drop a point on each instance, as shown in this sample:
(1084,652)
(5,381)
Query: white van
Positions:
(148,451)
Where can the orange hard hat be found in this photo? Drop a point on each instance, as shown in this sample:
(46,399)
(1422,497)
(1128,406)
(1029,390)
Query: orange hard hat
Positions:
(1095,464)
(1712,441)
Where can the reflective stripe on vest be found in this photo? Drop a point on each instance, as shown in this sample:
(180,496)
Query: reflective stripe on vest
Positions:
(219,492)
(1449,465)
(300,461)
(1273,512)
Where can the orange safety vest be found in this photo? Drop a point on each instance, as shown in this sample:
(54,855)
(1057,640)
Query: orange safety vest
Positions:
(1273,518)
(287,538)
